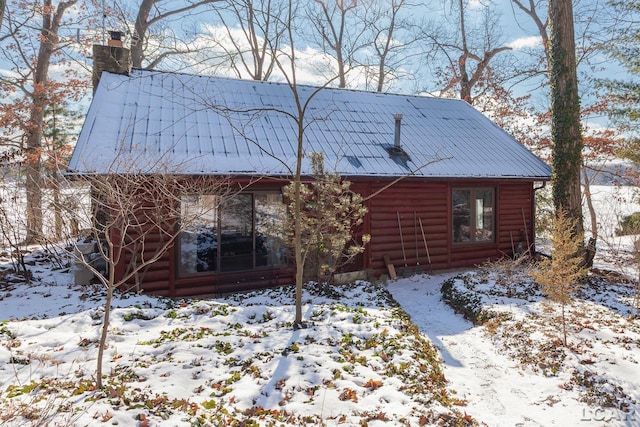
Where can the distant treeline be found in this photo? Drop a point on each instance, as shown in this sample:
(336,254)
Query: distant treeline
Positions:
(613,174)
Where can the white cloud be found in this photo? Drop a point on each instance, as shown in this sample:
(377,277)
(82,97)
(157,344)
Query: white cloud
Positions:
(313,67)
(7,73)
(526,42)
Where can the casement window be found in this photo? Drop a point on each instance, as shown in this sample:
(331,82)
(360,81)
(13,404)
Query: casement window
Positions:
(222,235)
(473,215)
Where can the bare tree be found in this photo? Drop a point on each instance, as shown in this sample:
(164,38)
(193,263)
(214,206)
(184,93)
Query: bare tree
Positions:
(3,5)
(590,19)
(12,228)
(636,261)
(382,41)
(134,219)
(565,113)
(253,31)
(337,32)
(51,21)
(599,145)
(285,61)
(30,88)
(296,187)
(469,54)
(395,37)
(150,14)
(301,234)
(58,137)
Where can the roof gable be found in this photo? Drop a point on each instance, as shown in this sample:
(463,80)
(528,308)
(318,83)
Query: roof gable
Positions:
(152,121)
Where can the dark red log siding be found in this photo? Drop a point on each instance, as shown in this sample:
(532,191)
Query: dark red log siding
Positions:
(516,217)
(145,243)
(429,200)
(161,277)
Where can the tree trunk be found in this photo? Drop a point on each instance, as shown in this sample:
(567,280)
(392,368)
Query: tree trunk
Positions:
(299,258)
(565,113)
(381,69)
(141,27)
(3,5)
(590,249)
(636,297)
(564,324)
(387,48)
(33,164)
(465,89)
(144,21)
(297,238)
(587,197)
(33,187)
(57,206)
(105,325)
(40,99)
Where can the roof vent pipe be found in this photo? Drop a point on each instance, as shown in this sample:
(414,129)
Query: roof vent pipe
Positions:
(398,118)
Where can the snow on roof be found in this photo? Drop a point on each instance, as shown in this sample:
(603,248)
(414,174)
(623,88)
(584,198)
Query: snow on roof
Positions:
(152,121)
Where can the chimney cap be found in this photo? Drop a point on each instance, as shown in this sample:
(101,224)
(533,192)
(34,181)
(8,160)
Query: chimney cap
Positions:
(115,38)
(397,116)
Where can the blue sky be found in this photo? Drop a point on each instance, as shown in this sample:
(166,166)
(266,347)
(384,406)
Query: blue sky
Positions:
(518,32)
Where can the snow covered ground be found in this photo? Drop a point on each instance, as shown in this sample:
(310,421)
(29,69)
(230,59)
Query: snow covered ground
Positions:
(361,361)
(506,376)
(222,361)
(226,360)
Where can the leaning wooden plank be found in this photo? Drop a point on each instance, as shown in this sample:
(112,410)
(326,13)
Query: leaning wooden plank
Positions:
(390,267)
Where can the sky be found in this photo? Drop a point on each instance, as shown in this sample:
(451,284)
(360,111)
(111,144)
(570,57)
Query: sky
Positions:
(519,33)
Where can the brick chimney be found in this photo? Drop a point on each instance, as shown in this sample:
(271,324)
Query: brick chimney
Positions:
(112,58)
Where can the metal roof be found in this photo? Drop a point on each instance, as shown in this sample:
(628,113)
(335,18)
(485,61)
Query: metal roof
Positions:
(153,122)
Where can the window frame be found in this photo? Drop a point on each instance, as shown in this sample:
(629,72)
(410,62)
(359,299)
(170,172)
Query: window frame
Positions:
(473,192)
(180,268)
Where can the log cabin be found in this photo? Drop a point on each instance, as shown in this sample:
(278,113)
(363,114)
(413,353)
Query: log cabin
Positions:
(463,189)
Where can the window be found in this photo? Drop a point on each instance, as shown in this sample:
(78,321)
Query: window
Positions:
(234,234)
(473,215)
